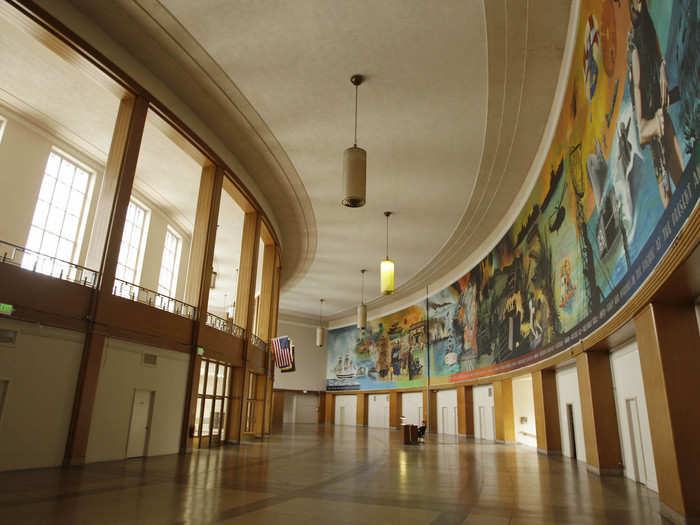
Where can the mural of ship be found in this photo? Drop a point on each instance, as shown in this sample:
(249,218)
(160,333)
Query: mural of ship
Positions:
(345,369)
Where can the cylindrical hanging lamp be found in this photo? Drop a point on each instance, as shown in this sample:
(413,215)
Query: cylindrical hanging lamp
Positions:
(386,268)
(354,165)
(320,330)
(362,307)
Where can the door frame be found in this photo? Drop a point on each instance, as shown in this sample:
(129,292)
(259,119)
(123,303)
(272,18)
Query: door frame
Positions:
(149,421)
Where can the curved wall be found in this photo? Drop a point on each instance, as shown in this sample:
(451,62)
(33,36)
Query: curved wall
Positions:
(620,179)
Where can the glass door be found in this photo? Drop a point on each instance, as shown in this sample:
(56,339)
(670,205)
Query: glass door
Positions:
(213,402)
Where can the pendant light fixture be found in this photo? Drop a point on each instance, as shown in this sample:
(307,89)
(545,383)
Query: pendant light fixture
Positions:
(354,164)
(386,268)
(362,307)
(320,331)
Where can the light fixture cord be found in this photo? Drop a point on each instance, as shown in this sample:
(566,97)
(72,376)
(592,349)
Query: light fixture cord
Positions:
(355,143)
(387,237)
(363,287)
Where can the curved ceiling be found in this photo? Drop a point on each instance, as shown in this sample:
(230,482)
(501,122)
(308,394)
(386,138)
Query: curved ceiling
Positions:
(452,112)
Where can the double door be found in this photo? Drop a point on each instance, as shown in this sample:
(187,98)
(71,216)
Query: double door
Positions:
(213,402)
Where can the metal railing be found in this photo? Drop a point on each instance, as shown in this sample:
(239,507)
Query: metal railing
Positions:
(225,325)
(152,298)
(256,341)
(46,265)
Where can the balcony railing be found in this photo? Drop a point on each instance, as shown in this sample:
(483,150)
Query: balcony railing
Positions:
(152,298)
(225,325)
(39,263)
(256,341)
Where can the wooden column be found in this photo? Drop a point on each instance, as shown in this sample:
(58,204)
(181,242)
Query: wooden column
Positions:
(544,389)
(432,411)
(669,346)
(362,410)
(103,253)
(273,333)
(394,409)
(265,329)
(465,411)
(322,400)
(199,283)
(600,431)
(278,407)
(245,312)
(330,408)
(503,410)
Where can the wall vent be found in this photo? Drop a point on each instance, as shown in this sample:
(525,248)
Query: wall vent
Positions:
(8,337)
(150,359)
(490,392)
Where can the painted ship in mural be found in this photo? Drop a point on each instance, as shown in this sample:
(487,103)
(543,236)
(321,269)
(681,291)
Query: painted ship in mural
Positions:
(345,369)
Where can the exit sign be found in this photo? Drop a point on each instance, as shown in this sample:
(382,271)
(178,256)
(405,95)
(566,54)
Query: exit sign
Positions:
(6,309)
(200,350)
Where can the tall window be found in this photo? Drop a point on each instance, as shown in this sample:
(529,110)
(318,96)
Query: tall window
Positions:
(57,217)
(131,249)
(169,266)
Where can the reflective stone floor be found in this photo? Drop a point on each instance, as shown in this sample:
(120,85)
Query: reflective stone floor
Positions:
(304,474)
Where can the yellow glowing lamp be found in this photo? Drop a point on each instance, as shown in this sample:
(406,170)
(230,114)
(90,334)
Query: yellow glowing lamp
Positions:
(386,276)
(386,267)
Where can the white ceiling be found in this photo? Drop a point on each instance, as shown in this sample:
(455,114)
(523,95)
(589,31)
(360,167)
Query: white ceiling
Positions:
(54,94)
(421,120)
(63,100)
(452,115)
(168,175)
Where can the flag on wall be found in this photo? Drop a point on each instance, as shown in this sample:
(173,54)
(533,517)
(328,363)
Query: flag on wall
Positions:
(284,353)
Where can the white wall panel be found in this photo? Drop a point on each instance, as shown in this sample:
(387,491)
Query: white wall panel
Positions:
(447,411)
(346,410)
(632,416)
(568,393)
(378,410)
(122,372)
(307,408)
(41,371)
(483,412)
(412,407)
(524,411)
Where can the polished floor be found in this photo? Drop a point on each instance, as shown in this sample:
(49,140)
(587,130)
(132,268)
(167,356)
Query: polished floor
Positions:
(304,474)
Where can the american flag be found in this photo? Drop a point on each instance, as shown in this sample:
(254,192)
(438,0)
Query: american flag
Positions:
(283,352)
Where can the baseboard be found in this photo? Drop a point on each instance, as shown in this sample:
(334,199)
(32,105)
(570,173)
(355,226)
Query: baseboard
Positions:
(546,452)
(605,472)
(499,441)
(232,442)
(73,462)
(676,517)
(466,436)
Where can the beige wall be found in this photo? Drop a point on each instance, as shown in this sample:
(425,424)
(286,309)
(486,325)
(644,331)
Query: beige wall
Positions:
(122,372)
(24,150)
(524,407)
(155,242)
(311,361)
(568,393)
(627,380)
(42,369)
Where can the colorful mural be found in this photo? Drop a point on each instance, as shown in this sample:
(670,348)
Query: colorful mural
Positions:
(390,353)
(620,179)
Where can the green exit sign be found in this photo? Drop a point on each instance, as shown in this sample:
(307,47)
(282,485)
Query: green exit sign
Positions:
(6,309)
(200,350)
